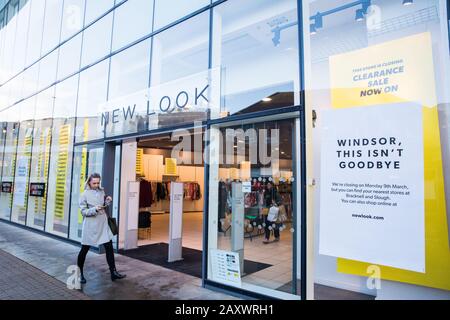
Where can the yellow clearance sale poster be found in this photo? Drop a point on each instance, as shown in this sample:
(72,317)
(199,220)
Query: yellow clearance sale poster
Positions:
(401,71)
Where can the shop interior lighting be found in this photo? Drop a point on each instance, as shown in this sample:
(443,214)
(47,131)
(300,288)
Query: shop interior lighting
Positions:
(359,16)
(312,29)
(407,2)
(317,19)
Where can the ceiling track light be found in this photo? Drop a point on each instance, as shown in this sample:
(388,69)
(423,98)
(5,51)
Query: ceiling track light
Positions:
(317,19)
(359,16)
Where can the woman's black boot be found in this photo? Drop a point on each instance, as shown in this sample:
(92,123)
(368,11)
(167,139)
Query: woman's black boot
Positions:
(116,275)
(82,279)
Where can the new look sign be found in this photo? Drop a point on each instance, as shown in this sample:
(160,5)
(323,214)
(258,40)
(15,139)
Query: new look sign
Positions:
(195,94)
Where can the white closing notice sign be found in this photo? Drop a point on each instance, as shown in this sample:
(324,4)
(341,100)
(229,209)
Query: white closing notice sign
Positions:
(372,185)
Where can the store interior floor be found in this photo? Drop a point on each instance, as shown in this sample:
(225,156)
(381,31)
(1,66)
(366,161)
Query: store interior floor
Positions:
(278,255)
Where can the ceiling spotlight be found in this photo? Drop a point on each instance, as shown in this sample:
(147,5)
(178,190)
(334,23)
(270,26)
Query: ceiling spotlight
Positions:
(318,21)
(267,99)
(407,2)
(276,37)
(359,15)
(312,29)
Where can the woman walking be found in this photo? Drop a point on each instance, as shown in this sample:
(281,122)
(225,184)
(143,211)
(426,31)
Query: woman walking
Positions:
(271,198)
(96,231)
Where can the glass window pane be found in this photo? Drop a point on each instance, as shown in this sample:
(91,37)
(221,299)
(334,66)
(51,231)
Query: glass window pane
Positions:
(40,156)
(73,16)
(386,74)
(52,24)
(11,125)
(21,38)
(256,45)
(15,89)
(88,159)
(179,74)
(129,74)
(3,77)
(169,11)
(69,57)
(255,221)
(57,220)
(97,40)
(8,55)
(47,70)
(95,8)
(125,32)
(91,94)
(35,31)
(30,80)
(21,179)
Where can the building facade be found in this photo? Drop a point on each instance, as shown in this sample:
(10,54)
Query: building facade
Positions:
(265,92)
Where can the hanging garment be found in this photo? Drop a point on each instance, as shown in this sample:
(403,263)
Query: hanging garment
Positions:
(198,194)
(145,194)
(223,194)
(160,191)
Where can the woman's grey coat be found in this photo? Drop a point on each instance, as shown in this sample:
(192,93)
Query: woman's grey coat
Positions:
(95,230)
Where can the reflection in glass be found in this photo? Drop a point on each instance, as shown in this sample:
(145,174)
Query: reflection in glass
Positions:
(88,159)
(10,132)
(21,39)
(23,158)
(35,31)
(251,174)
(91,94)
(57,220)
(180,64)
(255,43)
(47,70)
(167,12)
(129,73)
(52,24)
(95,8)
(40,158)
(69,57)
(73,15)
(125,32)
(97,40)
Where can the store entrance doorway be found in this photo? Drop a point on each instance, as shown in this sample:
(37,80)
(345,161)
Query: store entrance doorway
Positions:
(161,161)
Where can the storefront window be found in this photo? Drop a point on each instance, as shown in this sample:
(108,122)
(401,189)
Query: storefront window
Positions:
(91,95)
(380,69)
(10,130)
(40,159)
(23,158)
(57,220)
(251,206)
(88,159)
(256,45)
